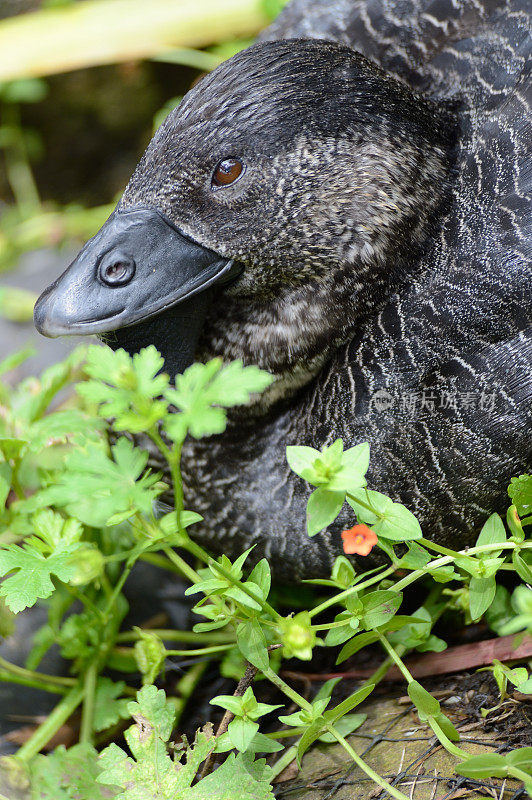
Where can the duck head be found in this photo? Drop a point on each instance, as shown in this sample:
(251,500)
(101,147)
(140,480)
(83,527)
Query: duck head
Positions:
(269,213)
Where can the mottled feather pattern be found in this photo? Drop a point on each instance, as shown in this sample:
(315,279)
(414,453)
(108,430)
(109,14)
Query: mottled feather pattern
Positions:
(436,376)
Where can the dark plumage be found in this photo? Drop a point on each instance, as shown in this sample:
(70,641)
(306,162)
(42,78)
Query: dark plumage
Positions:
(386,267)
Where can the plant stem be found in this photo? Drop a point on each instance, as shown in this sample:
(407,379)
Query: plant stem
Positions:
(445,560)
(160,561)
(284,761)
(46,687)
(36,677)
(339,598)
(365,767)
(243,684)
(395,657)
(117,588)
(55,40)
(174,462)
(445,551)
(197,59)
(418,573)
(19,173)
(196,550)
(286,689)
(445,741)
(185,569)
(52,723)
(186,686)
(172,635)
(87,714)
(365,505)
(250,593)
(202,651)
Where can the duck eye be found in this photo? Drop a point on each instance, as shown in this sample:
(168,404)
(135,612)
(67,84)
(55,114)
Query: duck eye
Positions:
(227,172)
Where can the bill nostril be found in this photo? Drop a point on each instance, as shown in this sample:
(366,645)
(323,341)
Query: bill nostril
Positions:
(116,269)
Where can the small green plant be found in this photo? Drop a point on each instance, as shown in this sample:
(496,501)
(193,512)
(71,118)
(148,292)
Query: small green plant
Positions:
(76,515)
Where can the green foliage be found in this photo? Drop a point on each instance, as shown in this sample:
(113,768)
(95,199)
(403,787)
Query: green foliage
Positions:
(243,731)
(30,566)
(76,514)
(67,775)
(520,491)
(98,488)
(202,393)
(151,772)
(515,764)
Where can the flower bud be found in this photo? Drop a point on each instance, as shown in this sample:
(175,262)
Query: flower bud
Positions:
(88,564)
(298,636)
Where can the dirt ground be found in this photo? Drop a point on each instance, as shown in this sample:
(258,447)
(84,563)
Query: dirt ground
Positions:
(403,750)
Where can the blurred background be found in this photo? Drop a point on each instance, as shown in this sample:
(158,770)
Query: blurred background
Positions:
(83,86)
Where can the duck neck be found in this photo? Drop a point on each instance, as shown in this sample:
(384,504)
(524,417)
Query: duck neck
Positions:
(293,335)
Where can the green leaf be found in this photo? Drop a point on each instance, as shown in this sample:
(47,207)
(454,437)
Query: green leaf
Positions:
(390,520)
(238,594)
(379,607)
(5,483)
(238,778)
(500,610)
(261,577)
(488,765)
(426,704)
(345,727)
(312,733)
(67,775)
(520,492)
(492,532)
(327,689)
(203,386)
(514,523)
(153,706)
(252,644)
(126,388)
(301,460)
(241,732)
(349,703)
(12,448)
(229,702)
(357,458)
(343,573)
(32,573)
(61,427)
(481,595)
(523,569)
(7,621)
(447,727)
(337,636)
(416,557)
(356,644)
(16,359)
(93,487)
(350,475)
(24,90)
(150,771)
(521,759)
(322,508)
(517,675)
(108,709)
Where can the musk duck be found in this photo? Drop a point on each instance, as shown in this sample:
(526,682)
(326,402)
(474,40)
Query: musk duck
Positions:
(346,204)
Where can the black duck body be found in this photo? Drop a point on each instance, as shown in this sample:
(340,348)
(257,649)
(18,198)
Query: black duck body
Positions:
(417,336)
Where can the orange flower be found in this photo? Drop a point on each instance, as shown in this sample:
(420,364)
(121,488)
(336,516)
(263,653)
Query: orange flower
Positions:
(359,539)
